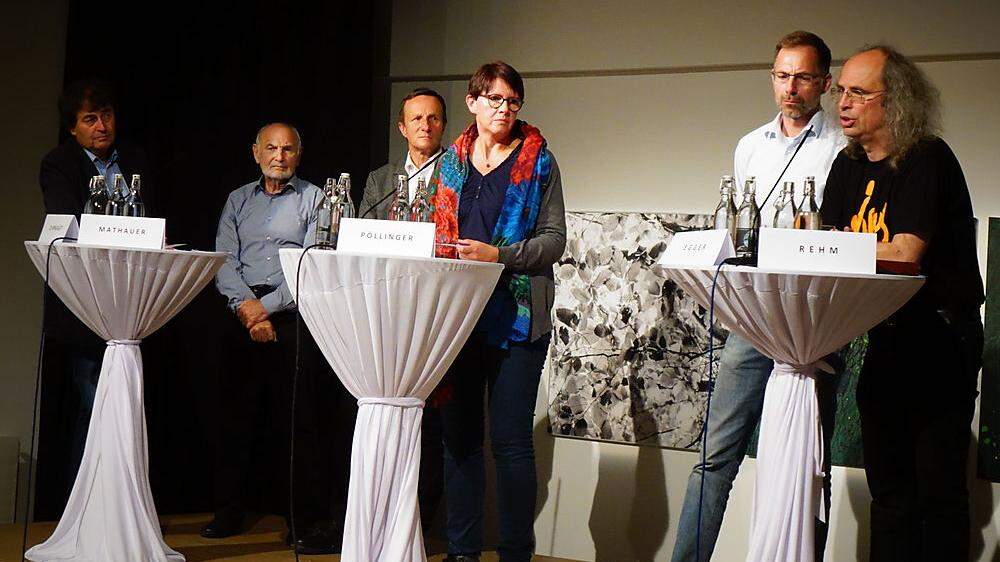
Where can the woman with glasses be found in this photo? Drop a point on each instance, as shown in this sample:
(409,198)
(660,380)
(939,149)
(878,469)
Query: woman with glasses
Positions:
(498,199)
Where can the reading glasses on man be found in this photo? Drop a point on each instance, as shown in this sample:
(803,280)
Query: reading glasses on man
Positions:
(799,78)
(854,96)
(496,100)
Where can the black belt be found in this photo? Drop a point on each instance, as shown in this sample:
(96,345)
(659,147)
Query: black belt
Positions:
(260,291)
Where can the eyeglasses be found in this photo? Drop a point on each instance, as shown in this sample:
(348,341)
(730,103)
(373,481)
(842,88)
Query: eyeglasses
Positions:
(854,97)
(496,100)
(800,78)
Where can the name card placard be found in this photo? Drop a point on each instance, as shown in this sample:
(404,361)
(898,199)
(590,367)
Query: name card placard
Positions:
(124,232)
(698,248)
(826,251)
(393,238)
(58,226)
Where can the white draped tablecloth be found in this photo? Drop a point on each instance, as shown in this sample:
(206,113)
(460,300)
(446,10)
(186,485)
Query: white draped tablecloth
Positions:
(123,295)
(390,327)
(796,319)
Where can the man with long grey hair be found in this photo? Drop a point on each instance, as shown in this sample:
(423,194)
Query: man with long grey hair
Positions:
(917,390)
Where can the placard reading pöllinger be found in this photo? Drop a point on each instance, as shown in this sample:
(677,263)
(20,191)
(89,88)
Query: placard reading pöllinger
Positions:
(125,232)
(386,238)
(825,251)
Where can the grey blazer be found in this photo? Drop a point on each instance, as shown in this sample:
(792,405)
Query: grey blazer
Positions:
(534,256)
(381,182)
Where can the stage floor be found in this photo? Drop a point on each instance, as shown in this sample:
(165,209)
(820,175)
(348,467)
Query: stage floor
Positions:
(262,543)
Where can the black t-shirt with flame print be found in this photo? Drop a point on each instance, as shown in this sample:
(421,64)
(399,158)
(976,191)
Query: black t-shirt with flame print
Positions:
(925,196)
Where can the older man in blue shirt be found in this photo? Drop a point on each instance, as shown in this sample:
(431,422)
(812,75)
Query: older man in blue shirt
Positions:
(277,211)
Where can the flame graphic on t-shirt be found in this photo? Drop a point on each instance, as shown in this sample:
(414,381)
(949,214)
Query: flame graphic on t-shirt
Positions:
(874,221)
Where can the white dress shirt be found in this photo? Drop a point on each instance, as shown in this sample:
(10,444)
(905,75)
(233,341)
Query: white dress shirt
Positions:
(764,152)
(425,174)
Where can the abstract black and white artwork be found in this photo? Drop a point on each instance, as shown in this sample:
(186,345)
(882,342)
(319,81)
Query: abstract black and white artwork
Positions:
(629,357)
(628,360)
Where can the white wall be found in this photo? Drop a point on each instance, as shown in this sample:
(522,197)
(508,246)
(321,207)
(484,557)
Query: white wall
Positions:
(33,39)
(642,103)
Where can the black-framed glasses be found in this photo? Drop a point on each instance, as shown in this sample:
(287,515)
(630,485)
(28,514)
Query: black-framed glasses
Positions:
(798,78)
(496,100)
(854,96)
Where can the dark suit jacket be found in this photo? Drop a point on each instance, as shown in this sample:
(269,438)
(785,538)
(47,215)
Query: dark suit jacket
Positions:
(64,176)
(66,172)
(381,182)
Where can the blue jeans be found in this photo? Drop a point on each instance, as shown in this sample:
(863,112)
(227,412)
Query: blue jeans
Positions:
(734,413)
(735,410)
(510,376)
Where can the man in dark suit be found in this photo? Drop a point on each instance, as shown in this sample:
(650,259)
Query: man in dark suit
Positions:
(422,120)
(87,113)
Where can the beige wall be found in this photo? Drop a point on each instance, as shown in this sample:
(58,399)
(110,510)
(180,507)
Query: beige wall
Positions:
(32,38)
(642,103)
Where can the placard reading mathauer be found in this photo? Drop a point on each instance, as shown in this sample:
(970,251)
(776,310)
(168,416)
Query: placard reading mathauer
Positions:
(124,232)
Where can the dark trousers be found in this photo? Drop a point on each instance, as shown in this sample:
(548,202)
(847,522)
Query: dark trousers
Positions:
(84,370)
(252,464)
(431,483)
(510,377)
(916,396)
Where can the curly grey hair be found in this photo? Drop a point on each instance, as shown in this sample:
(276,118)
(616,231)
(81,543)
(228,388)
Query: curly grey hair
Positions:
(912,105)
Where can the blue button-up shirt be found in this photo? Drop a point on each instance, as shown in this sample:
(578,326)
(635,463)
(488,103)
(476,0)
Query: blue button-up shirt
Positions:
(107,169)
(253,226)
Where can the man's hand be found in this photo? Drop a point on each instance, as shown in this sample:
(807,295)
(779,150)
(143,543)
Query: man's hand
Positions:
(251,312)
(263,332)
(475,250)
(904,247)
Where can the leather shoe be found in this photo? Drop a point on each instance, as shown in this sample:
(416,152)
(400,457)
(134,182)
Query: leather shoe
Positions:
(461,558)
(224,524)
(324,538)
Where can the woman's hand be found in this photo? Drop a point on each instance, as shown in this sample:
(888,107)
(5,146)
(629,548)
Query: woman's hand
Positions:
(475,250)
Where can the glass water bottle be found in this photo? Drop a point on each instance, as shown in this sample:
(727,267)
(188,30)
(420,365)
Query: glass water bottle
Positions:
(785,208)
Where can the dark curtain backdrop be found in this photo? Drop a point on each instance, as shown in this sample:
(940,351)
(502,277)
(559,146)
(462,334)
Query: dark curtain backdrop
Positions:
(193,85)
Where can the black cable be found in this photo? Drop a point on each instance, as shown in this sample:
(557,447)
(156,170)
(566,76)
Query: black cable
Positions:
(708,403)
(295,381)
(38,388)
(782,174)
(393,192)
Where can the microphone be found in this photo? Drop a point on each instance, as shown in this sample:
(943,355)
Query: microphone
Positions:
(789,163)
(393,192)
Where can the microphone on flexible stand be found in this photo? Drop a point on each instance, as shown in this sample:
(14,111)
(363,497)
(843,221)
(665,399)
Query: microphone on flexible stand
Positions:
(393,192)
(377,203)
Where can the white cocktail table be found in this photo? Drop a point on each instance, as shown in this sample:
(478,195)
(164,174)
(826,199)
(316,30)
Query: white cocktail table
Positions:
(796,319)
(123,295)
(390,327)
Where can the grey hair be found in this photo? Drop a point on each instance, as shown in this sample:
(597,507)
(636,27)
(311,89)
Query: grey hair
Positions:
(298,137)
(912,105)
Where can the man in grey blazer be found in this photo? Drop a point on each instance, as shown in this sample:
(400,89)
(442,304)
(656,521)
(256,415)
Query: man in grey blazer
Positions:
(422,119)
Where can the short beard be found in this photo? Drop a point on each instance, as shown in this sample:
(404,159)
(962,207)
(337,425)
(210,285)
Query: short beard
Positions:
(284,176)
(800,112)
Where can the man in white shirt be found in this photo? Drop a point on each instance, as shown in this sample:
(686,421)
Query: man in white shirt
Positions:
(798,142)
(422,120)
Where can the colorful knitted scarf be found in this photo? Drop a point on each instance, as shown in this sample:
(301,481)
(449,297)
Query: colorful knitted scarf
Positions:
(517,217)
